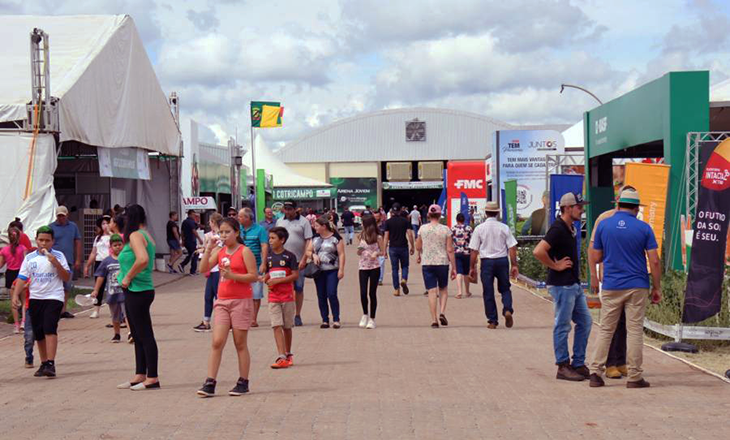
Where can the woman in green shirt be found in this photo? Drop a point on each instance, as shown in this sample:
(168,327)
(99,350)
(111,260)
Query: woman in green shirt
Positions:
(136,262)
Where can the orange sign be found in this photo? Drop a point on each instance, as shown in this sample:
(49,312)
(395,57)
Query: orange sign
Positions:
(651,181)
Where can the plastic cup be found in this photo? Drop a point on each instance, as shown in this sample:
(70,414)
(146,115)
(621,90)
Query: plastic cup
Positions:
(84,300)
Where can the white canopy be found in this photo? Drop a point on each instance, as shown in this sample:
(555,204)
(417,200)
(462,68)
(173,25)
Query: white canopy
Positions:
(573,136)
(109,94)
(284,176)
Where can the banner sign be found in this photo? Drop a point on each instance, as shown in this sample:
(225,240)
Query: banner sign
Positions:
(510,203)
(124,163)
(468,178)
(707,260)
(198,203)
(651,181)
(355,191)
(302,193)
(560,184)
(521,155)
(417,184)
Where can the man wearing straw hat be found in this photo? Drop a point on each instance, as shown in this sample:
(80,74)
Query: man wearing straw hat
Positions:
(622,243)
(492,242)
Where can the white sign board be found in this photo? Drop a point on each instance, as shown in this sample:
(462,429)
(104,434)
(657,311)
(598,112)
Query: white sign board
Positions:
(198,203)
(521,155)
(125,163)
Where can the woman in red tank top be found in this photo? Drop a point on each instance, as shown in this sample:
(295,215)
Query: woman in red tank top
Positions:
(234,307)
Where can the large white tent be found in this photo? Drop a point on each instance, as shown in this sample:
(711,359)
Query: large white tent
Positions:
(109,96)
(283,175)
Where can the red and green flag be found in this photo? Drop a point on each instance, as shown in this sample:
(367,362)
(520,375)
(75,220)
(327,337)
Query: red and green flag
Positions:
(266,114)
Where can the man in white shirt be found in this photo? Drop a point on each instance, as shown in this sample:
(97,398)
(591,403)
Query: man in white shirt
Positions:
(46,270)
(415,216)
(492,242)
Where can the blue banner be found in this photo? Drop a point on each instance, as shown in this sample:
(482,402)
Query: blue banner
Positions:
(465,208)
(559,185)
(442,197)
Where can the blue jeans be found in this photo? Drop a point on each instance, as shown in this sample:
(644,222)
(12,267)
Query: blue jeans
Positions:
(211,293)
(326,283)
(399,255)
(382,268)
(415,229)
(350,233)
(192,258)
(28,344)
(570,305)
(496,268)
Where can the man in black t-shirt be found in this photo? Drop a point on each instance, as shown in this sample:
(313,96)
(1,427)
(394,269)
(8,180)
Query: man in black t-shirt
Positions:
(558,251)
(173,242)
(190,241)
(398,236)
(348,223)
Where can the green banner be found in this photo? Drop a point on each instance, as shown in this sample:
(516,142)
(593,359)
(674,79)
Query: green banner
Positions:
(258,118)
(284,194)
(510,197)
(356,191)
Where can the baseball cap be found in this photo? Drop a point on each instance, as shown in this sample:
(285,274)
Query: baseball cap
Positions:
(290,204)
(434,209)
(61,210)
(572,199)
(630,196)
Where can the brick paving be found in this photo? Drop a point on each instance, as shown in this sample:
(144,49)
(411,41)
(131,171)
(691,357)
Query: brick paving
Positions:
(403,380)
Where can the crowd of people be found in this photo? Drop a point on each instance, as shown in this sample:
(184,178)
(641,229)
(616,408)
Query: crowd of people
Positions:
(244,261)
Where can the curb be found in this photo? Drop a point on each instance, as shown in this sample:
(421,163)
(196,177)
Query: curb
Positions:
(685,361)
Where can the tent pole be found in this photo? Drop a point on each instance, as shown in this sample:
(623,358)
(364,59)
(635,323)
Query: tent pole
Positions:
(253,165)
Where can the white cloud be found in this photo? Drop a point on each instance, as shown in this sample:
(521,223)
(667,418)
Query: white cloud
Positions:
(330,59)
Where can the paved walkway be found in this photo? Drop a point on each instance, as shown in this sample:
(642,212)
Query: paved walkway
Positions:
(403,380)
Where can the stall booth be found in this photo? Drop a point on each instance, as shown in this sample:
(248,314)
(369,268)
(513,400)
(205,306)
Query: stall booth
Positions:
(650,122)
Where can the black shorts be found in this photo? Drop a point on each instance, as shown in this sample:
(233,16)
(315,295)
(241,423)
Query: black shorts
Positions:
(44,315)
(10,276)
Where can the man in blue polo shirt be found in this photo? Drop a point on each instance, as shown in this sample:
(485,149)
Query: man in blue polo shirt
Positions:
(67,240)
(255,238)
(622,243)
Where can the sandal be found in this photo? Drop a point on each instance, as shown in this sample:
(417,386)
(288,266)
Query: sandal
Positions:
(336,325)
(434,325)
(325,325)
(458,296)
(443,320)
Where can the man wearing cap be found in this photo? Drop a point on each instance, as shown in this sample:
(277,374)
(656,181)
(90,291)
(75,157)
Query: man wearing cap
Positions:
(622,243)
(300,235)
(492,242)
(616,362)
(558,251)
(67,240)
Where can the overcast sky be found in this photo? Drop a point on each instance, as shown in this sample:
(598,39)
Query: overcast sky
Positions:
(330,59)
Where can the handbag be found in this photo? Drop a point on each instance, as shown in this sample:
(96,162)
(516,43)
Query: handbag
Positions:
(311,270)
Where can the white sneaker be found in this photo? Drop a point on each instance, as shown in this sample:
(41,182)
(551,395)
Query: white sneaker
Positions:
(94,314)
(364,321)
(371,323)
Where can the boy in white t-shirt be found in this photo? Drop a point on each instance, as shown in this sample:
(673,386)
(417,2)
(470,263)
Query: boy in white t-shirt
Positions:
(47,270)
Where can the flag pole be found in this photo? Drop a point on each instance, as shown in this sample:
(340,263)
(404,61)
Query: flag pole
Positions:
(253,160)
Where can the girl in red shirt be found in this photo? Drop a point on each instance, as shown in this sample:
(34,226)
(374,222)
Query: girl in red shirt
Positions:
(234,307)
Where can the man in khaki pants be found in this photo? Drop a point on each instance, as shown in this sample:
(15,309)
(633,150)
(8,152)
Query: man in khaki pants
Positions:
(622,243)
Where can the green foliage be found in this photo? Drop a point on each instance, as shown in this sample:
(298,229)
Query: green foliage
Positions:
(669,310)
(529,266)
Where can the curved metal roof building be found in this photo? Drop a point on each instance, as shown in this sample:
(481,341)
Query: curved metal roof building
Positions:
(382,136)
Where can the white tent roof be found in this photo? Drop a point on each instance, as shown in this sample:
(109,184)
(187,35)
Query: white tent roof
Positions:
(283,175)
(574,136)
(109,93)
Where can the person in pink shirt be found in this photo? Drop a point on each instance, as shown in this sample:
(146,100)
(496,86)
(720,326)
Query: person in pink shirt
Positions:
(13,256)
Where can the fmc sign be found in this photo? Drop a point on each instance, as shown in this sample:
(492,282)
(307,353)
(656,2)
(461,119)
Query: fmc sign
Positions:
(202,203)
(470,179)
